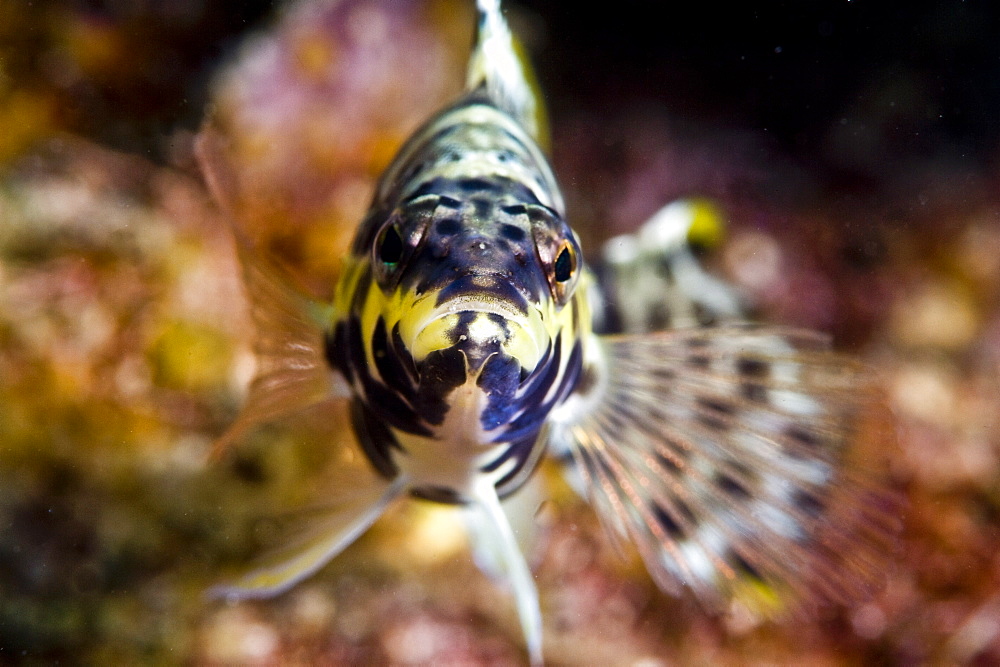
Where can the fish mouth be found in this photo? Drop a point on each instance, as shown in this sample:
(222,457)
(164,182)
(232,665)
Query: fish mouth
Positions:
(479,325)
(480,304)
(483,291)
(478,333)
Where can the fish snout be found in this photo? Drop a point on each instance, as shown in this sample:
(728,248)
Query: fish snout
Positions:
(478,335)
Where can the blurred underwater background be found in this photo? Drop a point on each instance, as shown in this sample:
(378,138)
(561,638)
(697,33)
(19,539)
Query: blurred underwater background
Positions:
(853,147)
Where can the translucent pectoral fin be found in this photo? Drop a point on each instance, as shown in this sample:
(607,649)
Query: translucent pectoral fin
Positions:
(325,538)
(292,372)
(727,456)
(506,559)
(217,170)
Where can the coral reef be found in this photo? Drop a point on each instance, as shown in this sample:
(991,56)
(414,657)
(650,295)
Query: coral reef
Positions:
(125,345)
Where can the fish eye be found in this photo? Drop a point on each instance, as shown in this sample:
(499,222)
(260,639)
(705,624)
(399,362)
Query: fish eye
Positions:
(389,246)
(563,271)
(558,252)
(565,265)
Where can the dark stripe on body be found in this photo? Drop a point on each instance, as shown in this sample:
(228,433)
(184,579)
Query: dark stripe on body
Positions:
(524,432)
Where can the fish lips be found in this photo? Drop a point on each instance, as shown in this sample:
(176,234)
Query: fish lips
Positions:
(479,314)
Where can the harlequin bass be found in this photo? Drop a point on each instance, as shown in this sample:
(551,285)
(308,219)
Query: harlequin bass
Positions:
(472,341)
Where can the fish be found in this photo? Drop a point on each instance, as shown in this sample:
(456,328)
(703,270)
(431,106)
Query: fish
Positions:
(473,341)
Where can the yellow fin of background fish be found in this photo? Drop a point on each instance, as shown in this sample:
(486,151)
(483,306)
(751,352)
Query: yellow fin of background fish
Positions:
(291,371)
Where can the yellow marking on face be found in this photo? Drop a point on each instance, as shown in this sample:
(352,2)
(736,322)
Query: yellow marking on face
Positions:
(353,269)
(434,336)
(413,312)
(425,326)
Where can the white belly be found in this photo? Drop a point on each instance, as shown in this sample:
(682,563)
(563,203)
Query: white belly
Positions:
(453,456)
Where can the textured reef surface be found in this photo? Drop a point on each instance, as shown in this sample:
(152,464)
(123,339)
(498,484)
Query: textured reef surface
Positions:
(858,168)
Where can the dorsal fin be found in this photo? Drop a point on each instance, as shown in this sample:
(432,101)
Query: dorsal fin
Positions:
(498,68)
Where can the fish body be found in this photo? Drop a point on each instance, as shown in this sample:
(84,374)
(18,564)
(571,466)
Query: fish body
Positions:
(463,323)
(472,340)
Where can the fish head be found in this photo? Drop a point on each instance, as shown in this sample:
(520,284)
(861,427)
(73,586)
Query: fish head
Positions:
(475,290)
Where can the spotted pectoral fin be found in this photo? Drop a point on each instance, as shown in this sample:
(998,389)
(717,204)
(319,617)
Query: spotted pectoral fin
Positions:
(292,372)
(728,456)
(325,537)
